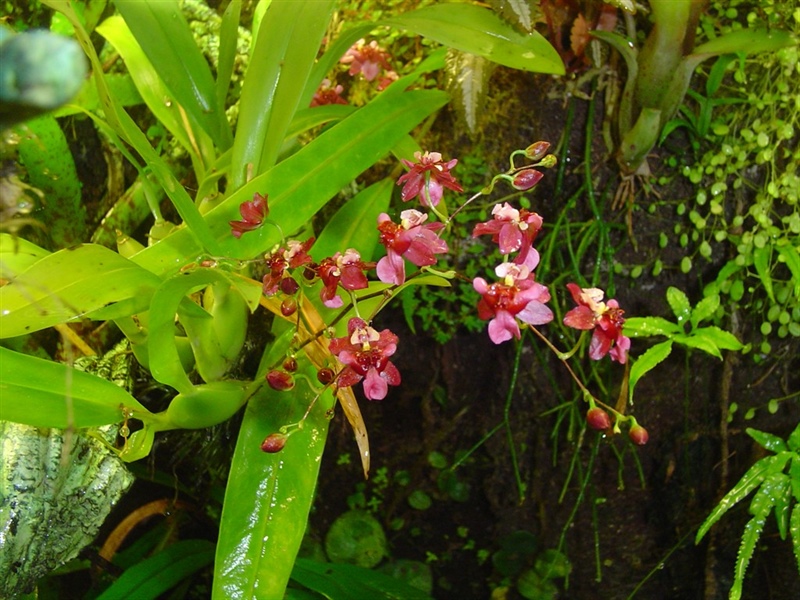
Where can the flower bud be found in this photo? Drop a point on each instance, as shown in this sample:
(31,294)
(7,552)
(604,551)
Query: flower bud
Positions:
(537,150)
(526,179)
(280,380)
(290,364)
(548,161)
(289,286)
(274,442)
(598,419)
(638,435)
(325,375)
(288,307)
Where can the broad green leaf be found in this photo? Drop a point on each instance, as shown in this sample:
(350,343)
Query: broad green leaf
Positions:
(164,35)
(769,441)
(749,41)
(355,224)
(704,309)
(649,326)
(228,47)
(679,304)
(156,575)
(68,285)
(286,47)
(646,362)
(761,261)
(17,254)
(751,480)
(794,440)
(49,394)
(479,31)
(300,185)
(44,152)
(157,95)
(269,496)
(349,582)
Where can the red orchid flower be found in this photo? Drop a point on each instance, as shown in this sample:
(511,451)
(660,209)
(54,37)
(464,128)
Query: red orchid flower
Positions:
(513,230)
(517,297)
(413,239)
(427,178)
(253,214)
(604,317)
(365,354)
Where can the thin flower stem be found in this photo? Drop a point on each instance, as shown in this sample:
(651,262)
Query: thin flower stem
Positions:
(507,422)
(460,208)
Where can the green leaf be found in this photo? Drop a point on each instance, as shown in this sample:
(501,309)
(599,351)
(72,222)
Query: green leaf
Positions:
(467,81)
(760,507)
(286,47)
(749,41)
(44,152)
(792,258)
(699,341)
(152,577)
(164,35)
(355,224)
(68,285)
(228,47)
(49,394)
(679,304)
(761,261)
(724,340)
(349,582)
(751,480)
(704,309)
(269,496)
(157,95)
(782,489)
(648,361)
(17,254)
(794,528)
(794,440)
(479,31)
(771,442)
(649,326)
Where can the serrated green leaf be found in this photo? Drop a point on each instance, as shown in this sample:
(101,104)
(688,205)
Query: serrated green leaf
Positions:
(49,394)
(679,304)
(794,439)
(704,309)
(467,80)
(649,326)
(771,442)
(699,341)
(794,528)
(156,575)
(722,339)
(70,284)
(750,535)
(782,491)
(646,362)
(479,31)
(753,478)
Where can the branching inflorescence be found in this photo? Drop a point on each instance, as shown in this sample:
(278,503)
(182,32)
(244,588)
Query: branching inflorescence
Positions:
(514,301)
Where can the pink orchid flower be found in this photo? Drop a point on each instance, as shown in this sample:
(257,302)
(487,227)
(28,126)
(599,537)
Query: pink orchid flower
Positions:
(604,317)
(413,239)
(514,231)
(427,178)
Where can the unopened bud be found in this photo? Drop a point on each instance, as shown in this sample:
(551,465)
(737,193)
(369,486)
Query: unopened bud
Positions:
(548,161)
(280,380)
(288,307)
(274,442)
(526,179)
(325,375)
(598,419)
(290,364)
(289,286)
(638,435)
(537,150)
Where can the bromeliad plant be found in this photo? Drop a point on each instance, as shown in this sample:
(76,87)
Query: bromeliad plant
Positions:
(659,73)
(184,300)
